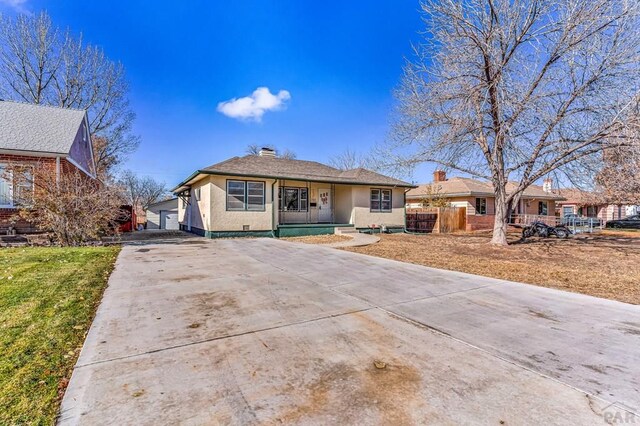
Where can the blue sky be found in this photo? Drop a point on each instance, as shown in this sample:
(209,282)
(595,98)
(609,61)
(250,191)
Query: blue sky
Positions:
(338,60)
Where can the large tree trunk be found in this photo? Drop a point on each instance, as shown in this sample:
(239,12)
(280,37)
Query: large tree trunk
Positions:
(501,219)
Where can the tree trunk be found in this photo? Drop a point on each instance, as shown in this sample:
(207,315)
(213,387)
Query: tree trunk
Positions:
(501,220)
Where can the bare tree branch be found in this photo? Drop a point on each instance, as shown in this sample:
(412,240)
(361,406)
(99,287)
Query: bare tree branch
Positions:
(40,64)
(518,90)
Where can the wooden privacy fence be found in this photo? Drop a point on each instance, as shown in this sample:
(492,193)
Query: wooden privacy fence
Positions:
(437,219)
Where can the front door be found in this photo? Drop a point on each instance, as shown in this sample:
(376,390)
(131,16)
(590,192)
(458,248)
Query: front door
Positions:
(324,205)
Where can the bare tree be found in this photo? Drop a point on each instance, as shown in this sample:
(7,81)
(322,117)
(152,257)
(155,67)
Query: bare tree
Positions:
(254,149)
(287,154)
(41,64)
(140,192)
(518,90)
(620,177)
(347,160)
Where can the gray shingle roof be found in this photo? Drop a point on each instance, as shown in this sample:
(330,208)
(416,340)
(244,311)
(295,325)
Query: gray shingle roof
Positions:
(27,127)
(462,187)
(273,167)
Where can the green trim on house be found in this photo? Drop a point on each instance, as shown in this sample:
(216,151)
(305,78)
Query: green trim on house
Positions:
(239,234)
(290,230)
(306,229)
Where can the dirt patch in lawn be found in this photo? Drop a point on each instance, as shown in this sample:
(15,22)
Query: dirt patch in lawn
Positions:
(602,265)
(319,239)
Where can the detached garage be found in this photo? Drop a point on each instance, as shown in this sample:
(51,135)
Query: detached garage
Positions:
(163,215)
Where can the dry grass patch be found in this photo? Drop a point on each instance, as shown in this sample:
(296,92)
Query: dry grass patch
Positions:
(319,239)
(600,265)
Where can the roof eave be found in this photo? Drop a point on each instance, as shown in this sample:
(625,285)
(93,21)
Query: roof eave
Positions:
(184,184)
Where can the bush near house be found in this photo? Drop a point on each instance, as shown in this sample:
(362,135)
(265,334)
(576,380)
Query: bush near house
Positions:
(48,297)
(72,207)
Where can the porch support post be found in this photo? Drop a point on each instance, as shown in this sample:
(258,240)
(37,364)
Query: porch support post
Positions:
(307,209)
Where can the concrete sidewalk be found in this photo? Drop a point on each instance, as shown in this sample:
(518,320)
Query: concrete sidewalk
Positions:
(267,332)
(358,239)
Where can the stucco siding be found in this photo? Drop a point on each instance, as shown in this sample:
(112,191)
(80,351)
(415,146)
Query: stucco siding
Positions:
(364,217)
(224,220)
(197,213)
(344,204)
(349,204)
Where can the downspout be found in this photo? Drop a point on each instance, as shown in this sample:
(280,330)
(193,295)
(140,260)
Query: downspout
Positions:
(273,210)
(57,171)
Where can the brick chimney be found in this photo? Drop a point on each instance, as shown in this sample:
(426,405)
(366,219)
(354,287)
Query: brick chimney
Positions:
(439,176)
(547,185)
(267,152)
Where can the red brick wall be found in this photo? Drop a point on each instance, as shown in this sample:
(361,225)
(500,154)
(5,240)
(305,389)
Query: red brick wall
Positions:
(478,222)
(45,162)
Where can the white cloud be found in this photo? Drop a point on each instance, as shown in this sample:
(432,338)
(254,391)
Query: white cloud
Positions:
(253,107)
(17,5)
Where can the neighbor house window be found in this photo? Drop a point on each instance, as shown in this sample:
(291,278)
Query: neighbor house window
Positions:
(592,211)
(481,206)
(245,195)
(6,199)
(380,200)
(293,199)
(543,208)
(16,186)
(197,193)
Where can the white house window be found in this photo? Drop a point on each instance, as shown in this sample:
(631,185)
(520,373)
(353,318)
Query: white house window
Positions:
(198,193)
(543,208)
(245,195)
(481,206)
(6,196)
(255,196)
(293,199)
(380,200)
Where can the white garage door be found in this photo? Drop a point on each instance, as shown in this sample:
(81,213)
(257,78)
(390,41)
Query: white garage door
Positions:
(168,219)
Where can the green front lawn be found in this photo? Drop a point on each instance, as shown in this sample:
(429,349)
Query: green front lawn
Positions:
(48,296)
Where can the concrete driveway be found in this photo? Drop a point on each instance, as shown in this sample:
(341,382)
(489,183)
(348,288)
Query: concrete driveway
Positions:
(261,331)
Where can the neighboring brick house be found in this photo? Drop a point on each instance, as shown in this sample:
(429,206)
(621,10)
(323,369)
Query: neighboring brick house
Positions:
(39,136)
(477,197)
(592,205)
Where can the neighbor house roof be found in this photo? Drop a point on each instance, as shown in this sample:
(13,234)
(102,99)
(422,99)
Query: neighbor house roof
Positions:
(283,168)
(38,128)
(580,197)
(467,187)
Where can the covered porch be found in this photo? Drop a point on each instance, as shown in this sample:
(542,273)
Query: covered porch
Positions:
(313,203)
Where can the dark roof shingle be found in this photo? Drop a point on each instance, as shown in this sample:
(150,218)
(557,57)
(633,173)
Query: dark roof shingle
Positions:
(27,127)
(283,168)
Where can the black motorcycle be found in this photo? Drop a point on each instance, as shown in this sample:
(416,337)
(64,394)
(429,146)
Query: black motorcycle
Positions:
(540,229)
